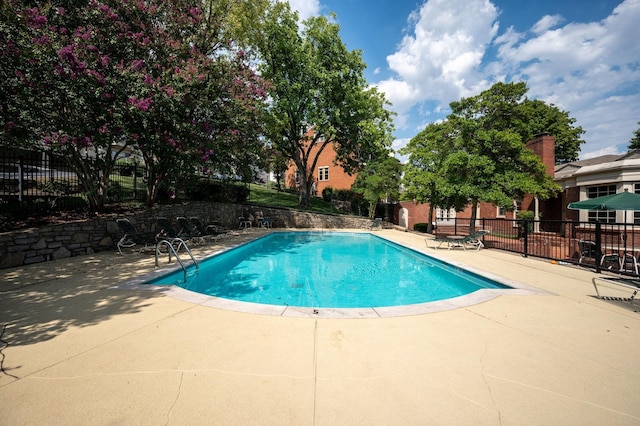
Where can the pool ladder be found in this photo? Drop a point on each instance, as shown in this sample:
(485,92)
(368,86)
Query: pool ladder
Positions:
(172,249)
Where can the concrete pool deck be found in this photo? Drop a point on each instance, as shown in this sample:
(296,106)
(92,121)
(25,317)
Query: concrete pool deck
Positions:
(76,349)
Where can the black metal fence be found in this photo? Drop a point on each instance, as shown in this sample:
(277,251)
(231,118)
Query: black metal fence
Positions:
(611,246)
(37,182)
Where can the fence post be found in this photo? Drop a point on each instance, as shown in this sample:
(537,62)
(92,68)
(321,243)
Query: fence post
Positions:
(20,178)
(525,231)
(598,245)
(135,180)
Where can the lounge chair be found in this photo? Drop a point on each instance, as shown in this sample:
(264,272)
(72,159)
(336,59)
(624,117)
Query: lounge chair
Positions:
(376,224)
(132,237)
(475,239)
(164,229)
(628,283)
(452,241)
(214,229)
(188,230)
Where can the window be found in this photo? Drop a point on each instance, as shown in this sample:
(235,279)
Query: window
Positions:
(445,214)
(606,216)
(297,177)
(323,173)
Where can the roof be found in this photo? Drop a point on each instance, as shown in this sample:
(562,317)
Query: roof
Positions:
(563,171)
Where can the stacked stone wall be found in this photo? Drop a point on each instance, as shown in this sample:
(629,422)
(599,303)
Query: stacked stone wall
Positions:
(78,238)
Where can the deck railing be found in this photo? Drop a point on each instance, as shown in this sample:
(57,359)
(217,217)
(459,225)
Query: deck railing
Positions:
(611,246)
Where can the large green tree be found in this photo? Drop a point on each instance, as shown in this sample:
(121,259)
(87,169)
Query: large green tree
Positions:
(547,118)
(318,85)
(379,179)
(489,161)
(423,172)
(634,142)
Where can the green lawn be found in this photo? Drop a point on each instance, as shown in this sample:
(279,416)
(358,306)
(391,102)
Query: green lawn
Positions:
(262,195)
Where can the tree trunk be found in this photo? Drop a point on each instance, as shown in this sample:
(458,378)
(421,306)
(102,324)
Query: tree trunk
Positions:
(430,220)
(474,209)
(303,185)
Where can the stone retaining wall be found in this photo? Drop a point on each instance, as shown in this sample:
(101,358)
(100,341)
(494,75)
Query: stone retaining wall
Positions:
(53,242)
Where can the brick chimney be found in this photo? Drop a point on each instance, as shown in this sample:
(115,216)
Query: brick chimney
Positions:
(544,146)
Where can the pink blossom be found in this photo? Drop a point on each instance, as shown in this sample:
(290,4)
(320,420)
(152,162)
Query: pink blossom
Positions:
(82,141)
(99,77)
(137,63)
(35,19)
(41,41)
(141,104)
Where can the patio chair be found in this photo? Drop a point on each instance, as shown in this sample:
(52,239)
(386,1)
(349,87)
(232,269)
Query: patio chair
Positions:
(132,237)
(587,250)
(244,223)
(630,260)
(266,222)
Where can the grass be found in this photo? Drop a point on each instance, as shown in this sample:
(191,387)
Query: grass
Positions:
(265,196)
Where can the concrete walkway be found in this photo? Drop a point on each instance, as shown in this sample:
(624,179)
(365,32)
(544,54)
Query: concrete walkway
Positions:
(76,350)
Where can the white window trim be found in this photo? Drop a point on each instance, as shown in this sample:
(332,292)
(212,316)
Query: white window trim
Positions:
(323,177)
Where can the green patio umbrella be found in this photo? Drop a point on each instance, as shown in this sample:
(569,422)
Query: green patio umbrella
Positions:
(620,201)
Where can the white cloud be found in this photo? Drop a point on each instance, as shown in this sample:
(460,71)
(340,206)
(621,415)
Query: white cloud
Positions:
(589,69)
(305,8)
(546,23)
(440,60)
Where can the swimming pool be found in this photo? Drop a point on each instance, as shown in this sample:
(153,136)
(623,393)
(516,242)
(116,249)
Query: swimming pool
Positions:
(328,270)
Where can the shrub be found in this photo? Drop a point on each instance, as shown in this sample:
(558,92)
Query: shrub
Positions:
(420,227)
(525,215)
(327,194)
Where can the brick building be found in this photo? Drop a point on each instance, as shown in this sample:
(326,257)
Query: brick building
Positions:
(325,174)
(408,213)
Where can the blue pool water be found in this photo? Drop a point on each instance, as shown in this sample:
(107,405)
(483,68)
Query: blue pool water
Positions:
(327,270)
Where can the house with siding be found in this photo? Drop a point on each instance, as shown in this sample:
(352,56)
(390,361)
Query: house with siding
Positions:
(596,177)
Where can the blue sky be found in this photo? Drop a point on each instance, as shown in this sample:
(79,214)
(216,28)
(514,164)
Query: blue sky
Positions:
(580,55)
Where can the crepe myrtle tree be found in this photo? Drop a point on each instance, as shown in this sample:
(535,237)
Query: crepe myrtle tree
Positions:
(319,96)
(100,76)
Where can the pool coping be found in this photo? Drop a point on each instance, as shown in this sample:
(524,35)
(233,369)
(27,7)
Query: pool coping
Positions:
(474,298)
